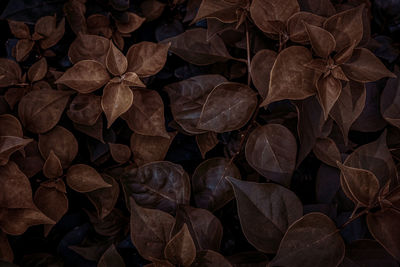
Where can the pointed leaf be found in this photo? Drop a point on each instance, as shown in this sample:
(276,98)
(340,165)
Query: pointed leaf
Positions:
(10,126)
(180,250)
(23,48)
(209,258)
(117,99)
(87,46)
(85,109)
(133,23)
(111,258)
(116,62)
(10,72)
(323,43)
(83,178)
(10,144)
(326,150)
(261,66)
(52,167)
(19,29)
(120,152)
(38,70)
(206,142)
(296,29)
(389,99)
(329,89)
(225,11)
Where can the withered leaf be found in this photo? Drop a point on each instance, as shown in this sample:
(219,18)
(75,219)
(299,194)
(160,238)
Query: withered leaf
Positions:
(120,152)
(361,186)
(383,227)
(228,107)
(111,258)
(98,24)
(10,126)
(261,66)
(296,29)
(116,100)
(192,46)
(83,178)
(224,11)
(19,29)
(74,11)
(10,144)
(180,250)
(87,46)
(85,109)
(206,142)
(146,115)
(289,78)
(271,150)
(23,48)
(10,72)
(104,199)
(210,188)
(85,76)
(132,79)
(150,230)
(146,58)
(40,110)
(150,148)
(204,227)
(208,258)
(364,66)
(62,142)
(311,241)
(188,97)
(162,185)
(326,150)
(389,99)
(346,27)
(263,12)
(270,205)
(49,32)
(53,203)
(323,43)
(116,62)
(52,166)
(38,70)
(152,9)
(134,23)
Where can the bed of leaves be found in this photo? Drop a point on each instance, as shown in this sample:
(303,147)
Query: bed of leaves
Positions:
(200,133)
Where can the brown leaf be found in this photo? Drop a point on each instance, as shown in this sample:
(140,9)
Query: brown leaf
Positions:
(23,48)
(86,47)
(180,250)
(117,99)
(228,107)
(98,24)
(19,29)
(263,12)
(296,29)
(53,203)
(6,253)
(289,78)
(120,152)
(224,11)
(389,99)
(150,230)
(134,22)
(162,185)
(270,205)
(83,178)
(85,109)
(40,110)
(271,150)
(311,241)
(95,130)
(146,58)
(10,72)
(323,43)
(211,190)
(188,97)
(383,227)
(206,142)
(116,62)
(323,7)
(364,66)
(63,144)
(326,150)
(32,163)
(361,186)
(146,115)
(48,30)
(74,11)
(204,227)
(147,149)
(209,258)
(329,89)
(132,79)
(85,76)
(10,144)
(111,258)
(104,199)
(152,9)
(52,167)
(261,66)
(192,46)
(38,70)
(10,126)
(349,106)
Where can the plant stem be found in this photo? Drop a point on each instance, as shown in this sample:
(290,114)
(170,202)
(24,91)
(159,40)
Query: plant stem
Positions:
(354,218)
(248,53)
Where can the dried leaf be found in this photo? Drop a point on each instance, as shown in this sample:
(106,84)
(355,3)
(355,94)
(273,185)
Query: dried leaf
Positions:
(261,66)
(10,72)
(134,23)
(19,29)
(132,79)
(10,126)
(329,89)
(289,78)
(95,130)
(23,48)
(180,250)
(206,142)
(38,70)
(152,9)
(224,11)
(208,258)
(271,150)
(74,11)
(192,46)
(49,32)
(228,107)
(270,205)
(120,152)
(296,29)
(323,43)
(10,144)
(85,109)
(89,47)
(311,241)
(188,97)
(150,230)
(211,190)
(117,99)
(146,115)
(323,7)
(52,167)
(326,150)
(146,58)
(83,178)
(62,142)
(389,99)
(111,258)
(116,62)
(98,24)
(85,76)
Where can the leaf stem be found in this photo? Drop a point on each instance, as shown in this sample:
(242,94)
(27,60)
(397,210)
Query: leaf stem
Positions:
(248,53)
(353,218)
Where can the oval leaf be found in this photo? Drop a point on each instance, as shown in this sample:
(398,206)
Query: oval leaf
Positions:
(83,178)
(117,99)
